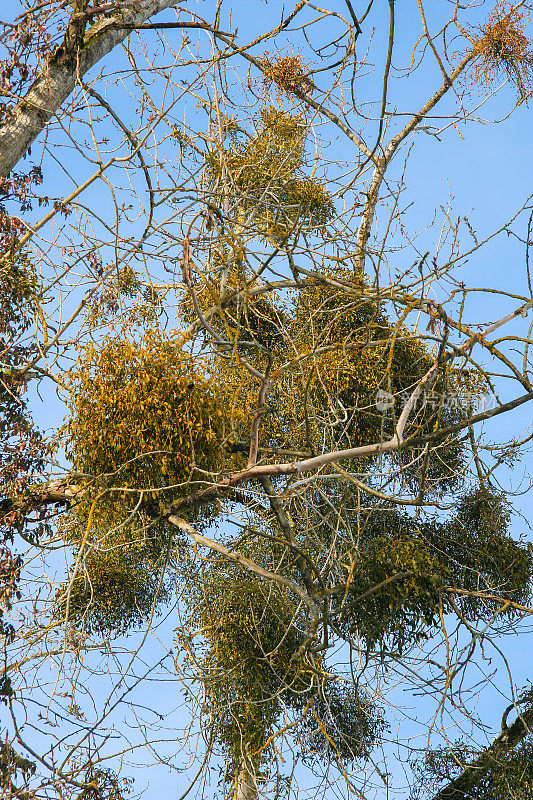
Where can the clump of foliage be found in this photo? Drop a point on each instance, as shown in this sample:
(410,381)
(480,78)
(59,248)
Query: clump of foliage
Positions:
(331,350)
(325,363)
(394,590)
(15,768)
(146,424)
(397,576)
(22,448)
(252,642)
(118,578)
(287,73)
(504,50)
(354,351)
(122,296)
(511,776)
(16,190)
(266,177)
(480,553)
(502,775)
(10,567)
(257,666)
(145,416)
(106,784)
(341,726)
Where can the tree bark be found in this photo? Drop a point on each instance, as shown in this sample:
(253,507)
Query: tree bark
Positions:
(59,76)
(245,787)
(60,492)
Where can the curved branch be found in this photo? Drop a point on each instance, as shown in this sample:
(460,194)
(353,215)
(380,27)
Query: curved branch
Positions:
(462,787)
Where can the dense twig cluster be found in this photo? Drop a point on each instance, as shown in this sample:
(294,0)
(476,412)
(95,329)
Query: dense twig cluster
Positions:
(288,73)
(504,51)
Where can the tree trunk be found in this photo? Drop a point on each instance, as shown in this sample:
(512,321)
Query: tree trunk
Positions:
(58,78)
(245,785)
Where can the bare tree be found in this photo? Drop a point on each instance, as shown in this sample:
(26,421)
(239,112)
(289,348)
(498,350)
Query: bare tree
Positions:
(271,491)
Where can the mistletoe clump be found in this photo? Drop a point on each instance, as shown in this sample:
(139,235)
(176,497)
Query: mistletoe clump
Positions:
(258,668)
(266,173)
(394,590)
(251,654)
(145,416)
(287,73)
(118,579)
(342,725)
(399,574)
(504,51)
(146,425)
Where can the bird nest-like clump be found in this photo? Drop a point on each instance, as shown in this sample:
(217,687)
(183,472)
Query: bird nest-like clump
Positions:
(504,51)
(287,73)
